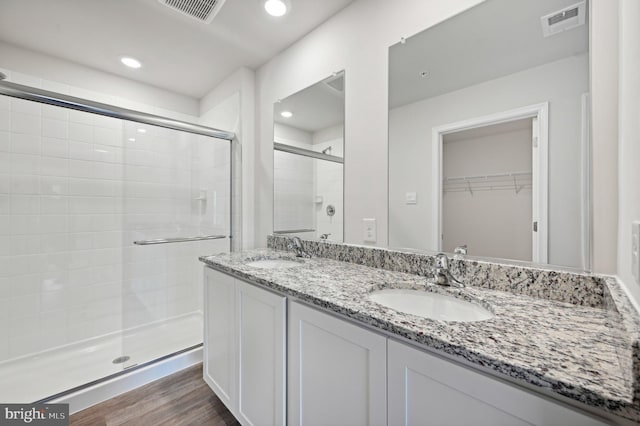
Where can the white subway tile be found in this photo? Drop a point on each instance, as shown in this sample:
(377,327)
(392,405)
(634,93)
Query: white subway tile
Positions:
(4,184)
(26,107)
(54,223)
(53,205)
(5,141)
(55,147)
(4,204)
(55,112)
(25,144)
(80,150)
(25,184)
(5,120)
(107,136)
(52,166)
(54,243)
(81,241)
(54,185)
(25,245)
(24,224)
(26,123)
(5,101)
(53,128)
(24,204)
(81,117)
(109,122)
(25,164)
(80,132)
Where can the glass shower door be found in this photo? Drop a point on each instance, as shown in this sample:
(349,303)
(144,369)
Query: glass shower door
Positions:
(176,204)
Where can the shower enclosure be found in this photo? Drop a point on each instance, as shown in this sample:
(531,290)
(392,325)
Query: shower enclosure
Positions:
(103,214)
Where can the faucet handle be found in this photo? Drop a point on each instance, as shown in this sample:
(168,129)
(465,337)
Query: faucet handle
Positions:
(461,249)
(442,261)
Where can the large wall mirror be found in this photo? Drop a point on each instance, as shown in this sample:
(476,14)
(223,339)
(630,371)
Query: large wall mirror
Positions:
(308,161)
(489,134)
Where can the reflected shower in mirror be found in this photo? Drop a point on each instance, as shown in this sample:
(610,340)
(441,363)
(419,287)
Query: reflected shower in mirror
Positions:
(488,134)
(308,162)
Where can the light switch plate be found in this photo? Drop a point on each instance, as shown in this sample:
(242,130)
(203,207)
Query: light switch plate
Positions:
(369,230)
(635,251)
(411,198)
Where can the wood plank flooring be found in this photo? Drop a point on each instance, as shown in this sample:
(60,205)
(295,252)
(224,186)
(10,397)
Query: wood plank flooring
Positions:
(180,399)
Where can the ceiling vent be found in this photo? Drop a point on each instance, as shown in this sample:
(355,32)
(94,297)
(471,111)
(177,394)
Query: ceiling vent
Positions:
(565,19)
(202,10)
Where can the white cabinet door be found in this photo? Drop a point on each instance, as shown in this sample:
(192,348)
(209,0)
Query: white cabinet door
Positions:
(220,336)
(426,390)
(337,371)
(261,338)
(244,348)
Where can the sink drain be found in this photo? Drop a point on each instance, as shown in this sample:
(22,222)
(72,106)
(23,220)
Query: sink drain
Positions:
(121,359)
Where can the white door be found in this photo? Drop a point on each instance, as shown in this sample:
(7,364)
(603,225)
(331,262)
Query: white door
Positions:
(337,371)
(261,364)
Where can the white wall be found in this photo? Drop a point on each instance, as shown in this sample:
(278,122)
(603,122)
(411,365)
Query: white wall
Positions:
(604,133)
(629,138)
(231,106)
(561,83)
(357,40)
(70,78)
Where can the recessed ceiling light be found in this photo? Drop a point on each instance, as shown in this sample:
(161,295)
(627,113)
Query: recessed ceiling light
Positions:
(130,62)
(132,139)
(286,114)
(275,7)
(141,130)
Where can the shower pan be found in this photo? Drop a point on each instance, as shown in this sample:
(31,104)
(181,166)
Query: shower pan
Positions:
(103,214)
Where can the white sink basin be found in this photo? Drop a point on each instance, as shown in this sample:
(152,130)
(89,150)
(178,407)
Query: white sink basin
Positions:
(274,263)
(430,305)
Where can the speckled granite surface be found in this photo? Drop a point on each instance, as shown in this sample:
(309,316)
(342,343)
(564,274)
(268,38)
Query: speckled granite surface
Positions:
(581,352)
(575,288)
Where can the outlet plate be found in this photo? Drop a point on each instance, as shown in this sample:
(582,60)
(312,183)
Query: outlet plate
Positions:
(635,251)
(369,230)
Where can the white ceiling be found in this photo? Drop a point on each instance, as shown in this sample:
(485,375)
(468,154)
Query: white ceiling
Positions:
(178,53)
(491,40)
(315,108)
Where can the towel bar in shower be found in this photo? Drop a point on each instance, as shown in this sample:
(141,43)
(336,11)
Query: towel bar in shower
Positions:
(178,240)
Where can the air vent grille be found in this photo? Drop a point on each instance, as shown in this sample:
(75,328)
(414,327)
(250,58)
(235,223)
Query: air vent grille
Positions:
(565,19)
(202,10)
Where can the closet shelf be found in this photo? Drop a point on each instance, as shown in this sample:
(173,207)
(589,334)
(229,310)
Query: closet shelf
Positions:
(516,181)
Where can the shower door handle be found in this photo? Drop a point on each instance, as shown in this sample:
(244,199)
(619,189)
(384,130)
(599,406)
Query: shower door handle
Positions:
(178,240)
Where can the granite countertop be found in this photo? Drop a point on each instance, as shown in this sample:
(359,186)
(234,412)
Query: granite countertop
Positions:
(564,348)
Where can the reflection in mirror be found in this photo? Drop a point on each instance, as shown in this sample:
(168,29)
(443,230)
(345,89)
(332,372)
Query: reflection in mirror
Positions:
(488,134)
(308,162)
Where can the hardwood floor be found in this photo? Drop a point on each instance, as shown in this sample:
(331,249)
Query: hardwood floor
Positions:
(180,399)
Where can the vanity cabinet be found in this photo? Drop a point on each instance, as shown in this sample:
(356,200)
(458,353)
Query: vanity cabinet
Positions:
(244,348)
(424,389)
(337,371)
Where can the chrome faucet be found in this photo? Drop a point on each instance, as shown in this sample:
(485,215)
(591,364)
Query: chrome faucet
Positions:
(442,274)
(324,237)
(296,246)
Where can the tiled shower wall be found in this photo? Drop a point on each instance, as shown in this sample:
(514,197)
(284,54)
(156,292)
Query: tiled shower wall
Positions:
(75,190)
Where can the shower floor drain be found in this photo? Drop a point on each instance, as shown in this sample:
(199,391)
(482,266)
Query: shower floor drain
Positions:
(121,359)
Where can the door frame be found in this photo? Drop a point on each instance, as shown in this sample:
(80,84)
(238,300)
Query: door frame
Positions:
(540,170)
